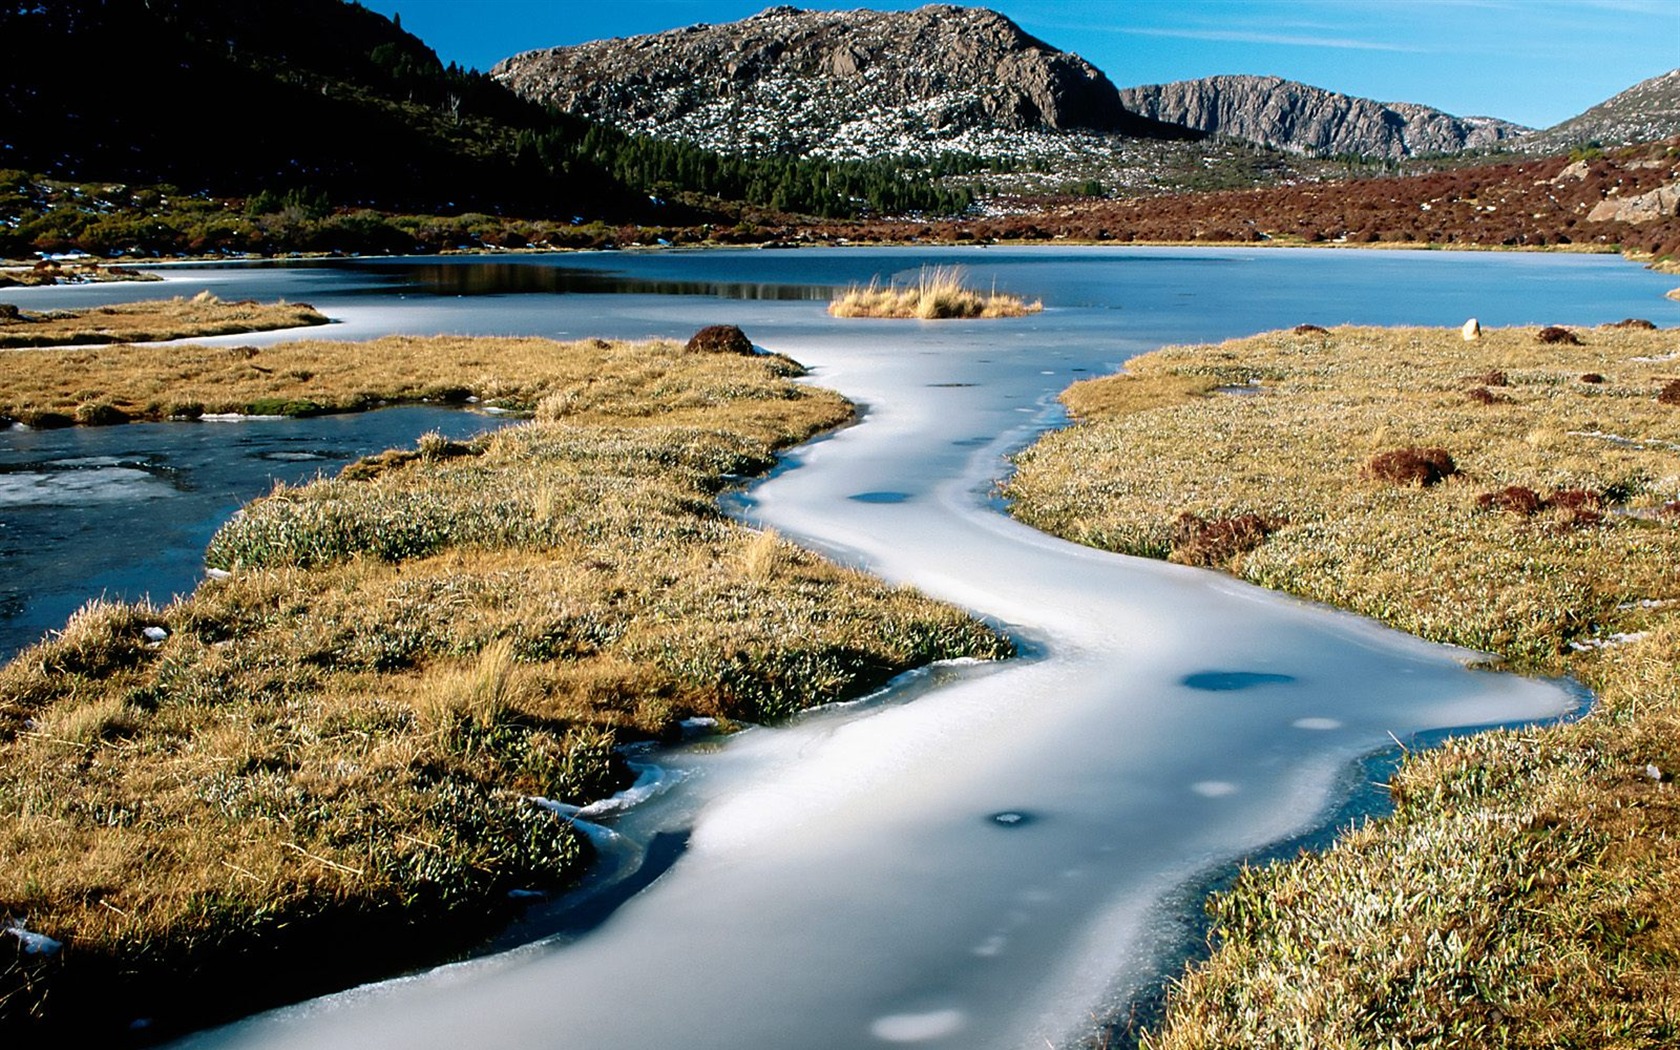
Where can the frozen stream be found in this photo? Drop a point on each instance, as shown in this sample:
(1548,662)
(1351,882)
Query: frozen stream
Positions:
(990,863)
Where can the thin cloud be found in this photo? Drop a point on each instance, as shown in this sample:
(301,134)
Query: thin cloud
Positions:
(1244,36)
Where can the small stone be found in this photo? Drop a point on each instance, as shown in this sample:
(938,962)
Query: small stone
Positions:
(1655,772)
(1472,330)
(155,634)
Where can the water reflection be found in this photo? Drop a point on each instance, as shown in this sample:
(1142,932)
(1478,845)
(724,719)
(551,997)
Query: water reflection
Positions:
(480,277)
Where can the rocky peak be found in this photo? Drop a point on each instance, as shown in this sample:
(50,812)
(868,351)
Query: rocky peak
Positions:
(1303,119)
(787,80)
(1649,111)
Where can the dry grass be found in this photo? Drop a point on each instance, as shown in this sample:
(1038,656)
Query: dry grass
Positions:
(335,741)
(145,322)
(939,292)
(315,376)
(1520,895)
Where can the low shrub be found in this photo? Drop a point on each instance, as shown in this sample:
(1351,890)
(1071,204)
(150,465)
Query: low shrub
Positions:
(1633,322)
(719,339)
(1670,393)
(1514,498)
(1215,541)
(1310,329)
(1554,334)
(1412,466)
(1592,377)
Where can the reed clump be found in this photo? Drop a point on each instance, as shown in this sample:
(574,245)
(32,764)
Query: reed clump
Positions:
(151,321)
(319,768)
(1518,894)
(939,292)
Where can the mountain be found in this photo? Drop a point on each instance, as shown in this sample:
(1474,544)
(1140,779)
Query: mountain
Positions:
(833,83)
(1645,112)
(1304,119)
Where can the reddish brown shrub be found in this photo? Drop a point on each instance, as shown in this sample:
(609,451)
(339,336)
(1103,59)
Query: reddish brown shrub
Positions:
(1493,378)
(1215,541)
(1515,498)
(1411,466)
(1576,499)
(1591,377)
(1309,329)
(1553,334)
(1483,396)
(720,339)
(1633,322)
(1670,394)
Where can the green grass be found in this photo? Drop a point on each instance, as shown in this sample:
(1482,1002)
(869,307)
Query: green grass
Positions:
(338,739)
(1520,895)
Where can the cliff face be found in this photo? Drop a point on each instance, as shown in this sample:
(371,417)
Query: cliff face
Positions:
(1304,119)
(1646,112)
(828,82)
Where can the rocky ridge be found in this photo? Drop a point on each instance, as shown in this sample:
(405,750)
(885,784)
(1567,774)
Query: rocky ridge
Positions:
(850,84)
(1300,118)
(1646,112)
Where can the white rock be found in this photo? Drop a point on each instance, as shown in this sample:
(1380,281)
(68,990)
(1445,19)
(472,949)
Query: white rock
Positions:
(1472,330)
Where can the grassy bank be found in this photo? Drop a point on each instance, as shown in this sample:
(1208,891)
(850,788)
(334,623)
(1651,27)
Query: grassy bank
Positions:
(308,377)
(939,293)
(1510,494)
(317,769)
(150,321)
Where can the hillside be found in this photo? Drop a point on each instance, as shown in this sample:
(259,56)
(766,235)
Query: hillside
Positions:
(275,94)
(835,84)
(1645,112)
(1304,119)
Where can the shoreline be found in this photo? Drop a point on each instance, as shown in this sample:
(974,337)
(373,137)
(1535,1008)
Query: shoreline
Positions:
(497,698)
(1312,937)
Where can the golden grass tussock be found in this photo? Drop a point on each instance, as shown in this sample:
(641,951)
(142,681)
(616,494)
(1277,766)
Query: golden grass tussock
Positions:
(150,321)
(308,377)
(1516,896)
(336,742)
(940,292)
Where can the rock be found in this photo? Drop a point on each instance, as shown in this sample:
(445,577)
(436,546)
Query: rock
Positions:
(829,82)
(720,339)
(1301,118)
(1472,330)
(1646,112)
(1655,772)
(1654,206)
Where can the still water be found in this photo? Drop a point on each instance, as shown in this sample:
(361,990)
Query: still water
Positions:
(988,856)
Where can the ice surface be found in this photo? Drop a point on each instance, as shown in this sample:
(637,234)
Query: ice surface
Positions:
(847,881)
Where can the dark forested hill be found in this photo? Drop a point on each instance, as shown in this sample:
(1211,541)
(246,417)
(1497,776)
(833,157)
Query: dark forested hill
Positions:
(275,94)
(328,98)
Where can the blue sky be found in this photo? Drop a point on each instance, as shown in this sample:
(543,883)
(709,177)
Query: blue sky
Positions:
(1532,61)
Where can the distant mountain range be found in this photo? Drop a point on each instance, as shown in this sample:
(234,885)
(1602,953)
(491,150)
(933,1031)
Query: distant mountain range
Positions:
(1303,119)
(968,80)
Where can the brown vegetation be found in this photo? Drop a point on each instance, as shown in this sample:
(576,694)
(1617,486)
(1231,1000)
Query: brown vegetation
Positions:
(1411,466)
(719,339)
(1555,334)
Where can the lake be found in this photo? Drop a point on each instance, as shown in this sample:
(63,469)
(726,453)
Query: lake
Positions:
(985,856)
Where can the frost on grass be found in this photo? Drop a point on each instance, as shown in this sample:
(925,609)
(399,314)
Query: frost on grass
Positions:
(337,736)
(1520,896)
